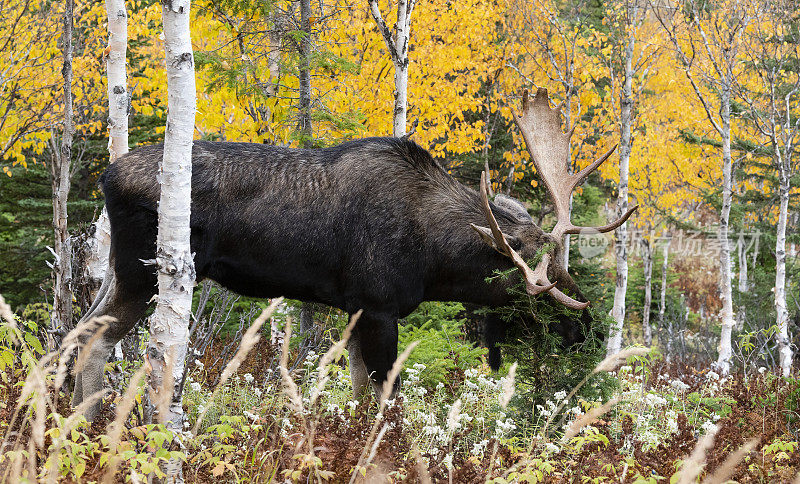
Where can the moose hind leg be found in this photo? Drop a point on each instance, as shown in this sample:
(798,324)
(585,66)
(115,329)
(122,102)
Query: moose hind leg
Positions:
(377,335)
(126,307)
(358,371)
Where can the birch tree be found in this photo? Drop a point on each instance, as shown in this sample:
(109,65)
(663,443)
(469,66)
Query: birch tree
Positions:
(706,39)
(115,57)
(772,98)
(647,268)
(635,67)
(397,45)
(662,307)
(60,176)
(169,324)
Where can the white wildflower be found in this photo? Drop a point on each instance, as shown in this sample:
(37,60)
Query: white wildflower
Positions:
(562,395)
(544,412)
(453,416)
(195,387)
(199,364)
(248,377)
(552,448)
(448,461)
(712,375)
(709,427)
(655,400)
(679,385)
(479,447)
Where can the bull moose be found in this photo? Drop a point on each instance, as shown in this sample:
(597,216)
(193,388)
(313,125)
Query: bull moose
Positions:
(374,224)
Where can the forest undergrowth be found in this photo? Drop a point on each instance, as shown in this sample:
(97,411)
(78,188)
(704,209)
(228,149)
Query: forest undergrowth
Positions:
(275,415)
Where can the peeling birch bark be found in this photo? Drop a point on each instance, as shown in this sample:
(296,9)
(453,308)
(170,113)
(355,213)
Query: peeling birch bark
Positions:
(169,324)
(620,245)
(118,110)
(725,351)
(60,171)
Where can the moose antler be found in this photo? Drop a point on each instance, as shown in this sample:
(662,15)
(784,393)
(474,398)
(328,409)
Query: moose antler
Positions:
(549,147)
(536,281)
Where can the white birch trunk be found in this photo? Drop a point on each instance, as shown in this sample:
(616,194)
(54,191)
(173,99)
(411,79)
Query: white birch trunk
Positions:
(402,33)
(725,351)
(118,97)
(663,306)
(742,253)
(169,324)
(782,319)
(647,265)
(118,110)
(398,49)
(742,286)
(620,246)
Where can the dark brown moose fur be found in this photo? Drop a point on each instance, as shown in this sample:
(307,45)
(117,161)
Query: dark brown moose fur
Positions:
(373,224)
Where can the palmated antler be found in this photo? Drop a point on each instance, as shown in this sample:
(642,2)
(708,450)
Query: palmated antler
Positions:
(536,281)
(549,147)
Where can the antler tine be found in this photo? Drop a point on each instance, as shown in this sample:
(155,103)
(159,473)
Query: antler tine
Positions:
(605,228)
(502,244)
(581,176)
(531,277)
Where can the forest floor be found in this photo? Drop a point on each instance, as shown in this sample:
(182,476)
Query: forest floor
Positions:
(665,422)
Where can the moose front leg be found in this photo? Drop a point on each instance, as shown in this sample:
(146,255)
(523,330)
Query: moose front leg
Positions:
(375,336)
(494,334)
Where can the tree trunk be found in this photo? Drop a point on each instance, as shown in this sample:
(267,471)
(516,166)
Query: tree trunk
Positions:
(725,351)
(782,320)
(118,110)
(620,246)
(663,306)
(398,48)
(304,51)
(647,266)
(742,258)
(61,316)
(401,71)
(169,324)
(742,253)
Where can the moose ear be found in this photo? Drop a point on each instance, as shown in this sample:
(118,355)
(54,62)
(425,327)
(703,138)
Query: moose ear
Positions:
(488,237)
